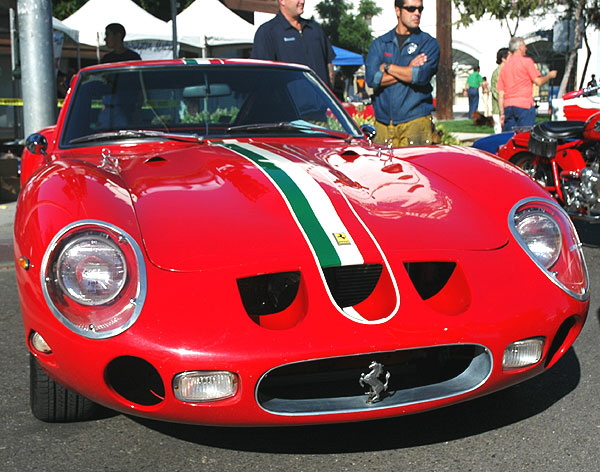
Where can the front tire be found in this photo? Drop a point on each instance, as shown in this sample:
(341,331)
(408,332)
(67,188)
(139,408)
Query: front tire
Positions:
(53,403)
(538,168)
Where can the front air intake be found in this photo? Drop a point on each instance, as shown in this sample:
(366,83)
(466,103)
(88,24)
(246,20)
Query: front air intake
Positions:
(332,385)
(350,285)
(268,293)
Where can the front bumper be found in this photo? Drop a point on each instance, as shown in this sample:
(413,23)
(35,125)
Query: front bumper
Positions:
(311,372)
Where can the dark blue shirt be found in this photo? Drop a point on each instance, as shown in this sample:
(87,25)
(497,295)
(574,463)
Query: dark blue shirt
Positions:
(278,40)
(127,55)
(402,101)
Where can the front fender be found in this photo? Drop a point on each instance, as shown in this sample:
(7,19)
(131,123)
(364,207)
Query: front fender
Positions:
(59,194)
(31,162)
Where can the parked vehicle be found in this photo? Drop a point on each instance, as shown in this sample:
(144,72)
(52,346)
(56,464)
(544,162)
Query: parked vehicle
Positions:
(576,105)
(563,157)
(215,241)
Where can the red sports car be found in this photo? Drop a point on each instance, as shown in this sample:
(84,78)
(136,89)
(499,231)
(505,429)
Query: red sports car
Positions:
(217,242)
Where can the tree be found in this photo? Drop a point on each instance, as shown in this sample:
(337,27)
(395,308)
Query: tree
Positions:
(345,29)
(583,12)
(507,11)
(162,9)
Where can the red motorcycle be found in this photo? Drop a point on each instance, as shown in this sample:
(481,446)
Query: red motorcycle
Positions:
(564,157)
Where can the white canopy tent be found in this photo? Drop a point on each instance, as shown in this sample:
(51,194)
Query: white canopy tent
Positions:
(208,23)
(60,31)
(58,25)
(91,20)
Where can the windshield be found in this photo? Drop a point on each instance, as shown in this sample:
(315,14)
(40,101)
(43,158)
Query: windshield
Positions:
(212,101)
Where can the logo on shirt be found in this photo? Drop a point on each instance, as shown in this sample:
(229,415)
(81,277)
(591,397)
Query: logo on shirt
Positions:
(287,40)
(411,48)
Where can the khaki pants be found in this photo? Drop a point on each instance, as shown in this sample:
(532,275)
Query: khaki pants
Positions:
(417,132)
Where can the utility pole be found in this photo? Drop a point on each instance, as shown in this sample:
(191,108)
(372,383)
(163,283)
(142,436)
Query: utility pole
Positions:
(174,23)
(38,75)
(444,77)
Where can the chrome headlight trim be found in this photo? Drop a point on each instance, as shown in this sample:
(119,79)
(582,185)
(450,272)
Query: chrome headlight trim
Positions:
(132,305)
(571,241)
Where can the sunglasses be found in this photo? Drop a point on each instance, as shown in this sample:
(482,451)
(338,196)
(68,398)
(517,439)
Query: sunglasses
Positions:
(412,9)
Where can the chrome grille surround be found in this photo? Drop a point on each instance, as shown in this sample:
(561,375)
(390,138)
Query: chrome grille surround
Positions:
(331,385)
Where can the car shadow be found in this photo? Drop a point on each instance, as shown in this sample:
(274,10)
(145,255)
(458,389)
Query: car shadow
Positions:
(446,424)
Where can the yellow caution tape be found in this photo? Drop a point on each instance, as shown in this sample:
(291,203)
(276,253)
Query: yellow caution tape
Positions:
(18,102)
(15,102)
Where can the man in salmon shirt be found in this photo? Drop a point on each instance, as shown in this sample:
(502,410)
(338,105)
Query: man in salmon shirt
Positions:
(515,96)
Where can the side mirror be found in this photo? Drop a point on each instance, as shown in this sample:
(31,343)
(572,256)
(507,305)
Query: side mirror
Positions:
(369,131)
(36,143)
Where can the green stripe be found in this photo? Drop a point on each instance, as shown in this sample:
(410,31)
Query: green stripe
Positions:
(319,240)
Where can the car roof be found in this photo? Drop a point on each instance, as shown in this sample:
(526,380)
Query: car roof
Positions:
(195,61)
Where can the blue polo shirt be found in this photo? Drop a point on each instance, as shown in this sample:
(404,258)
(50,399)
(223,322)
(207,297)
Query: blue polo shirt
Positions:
(278,40)
(402,102)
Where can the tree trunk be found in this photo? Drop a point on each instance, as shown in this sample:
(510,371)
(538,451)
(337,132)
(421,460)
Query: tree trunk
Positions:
(444,78)
(573,53)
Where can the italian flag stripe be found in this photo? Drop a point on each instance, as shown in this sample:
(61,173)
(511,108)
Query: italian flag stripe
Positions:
(310,204)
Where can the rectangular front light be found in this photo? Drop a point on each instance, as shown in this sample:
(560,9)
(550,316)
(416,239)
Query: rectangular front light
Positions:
(523,353)
(203,386)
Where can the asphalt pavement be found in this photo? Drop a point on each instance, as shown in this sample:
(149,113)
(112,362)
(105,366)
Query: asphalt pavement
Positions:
(7,217)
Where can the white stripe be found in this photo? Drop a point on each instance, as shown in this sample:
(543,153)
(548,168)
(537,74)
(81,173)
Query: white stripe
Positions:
(318,200)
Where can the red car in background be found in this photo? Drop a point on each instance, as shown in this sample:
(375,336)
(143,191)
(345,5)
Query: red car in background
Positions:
(577,105)
(216,242)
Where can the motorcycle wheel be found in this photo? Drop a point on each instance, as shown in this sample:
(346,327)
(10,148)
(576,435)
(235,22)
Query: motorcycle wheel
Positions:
(538,168)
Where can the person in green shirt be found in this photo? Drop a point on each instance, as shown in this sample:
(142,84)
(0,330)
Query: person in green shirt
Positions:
(473,83)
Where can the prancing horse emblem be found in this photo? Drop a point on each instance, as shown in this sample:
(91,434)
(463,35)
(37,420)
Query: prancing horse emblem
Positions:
(376,386)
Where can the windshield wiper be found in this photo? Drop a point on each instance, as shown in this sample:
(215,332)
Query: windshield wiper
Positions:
(138,133)
(289,125)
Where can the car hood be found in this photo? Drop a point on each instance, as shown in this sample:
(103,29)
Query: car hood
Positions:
(218,205)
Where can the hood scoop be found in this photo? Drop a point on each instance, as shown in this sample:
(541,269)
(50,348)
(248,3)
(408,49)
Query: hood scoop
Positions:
(155,160)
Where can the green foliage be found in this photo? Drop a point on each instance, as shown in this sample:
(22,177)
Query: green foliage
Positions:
(471,10)
(445,135)
(345,29)
(220,115)
(62,9)
(464,126)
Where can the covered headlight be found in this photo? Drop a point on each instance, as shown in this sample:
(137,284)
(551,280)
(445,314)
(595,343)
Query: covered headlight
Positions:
(547,234)
(91,269)
(93,278)
(540,233)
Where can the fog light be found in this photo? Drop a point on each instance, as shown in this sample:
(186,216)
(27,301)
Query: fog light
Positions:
(205,386)
(523,353)
(39,343)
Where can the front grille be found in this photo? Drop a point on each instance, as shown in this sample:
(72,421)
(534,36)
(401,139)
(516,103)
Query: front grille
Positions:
(333,385)
(350,285)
